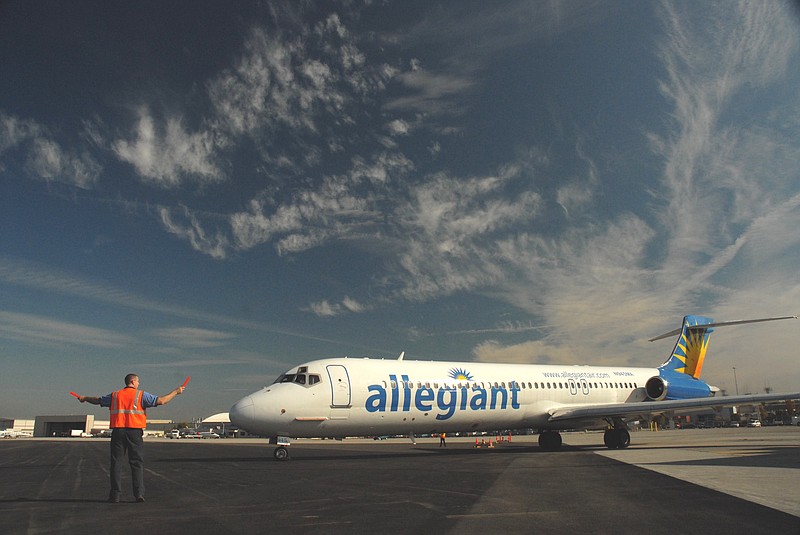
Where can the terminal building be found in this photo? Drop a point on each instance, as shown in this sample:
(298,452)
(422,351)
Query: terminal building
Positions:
(76,425)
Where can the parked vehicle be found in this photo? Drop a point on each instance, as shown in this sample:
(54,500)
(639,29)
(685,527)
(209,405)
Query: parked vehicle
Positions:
(754,423)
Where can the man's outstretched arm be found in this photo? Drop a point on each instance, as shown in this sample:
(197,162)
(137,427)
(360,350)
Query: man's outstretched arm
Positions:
(163,400)
(94,400)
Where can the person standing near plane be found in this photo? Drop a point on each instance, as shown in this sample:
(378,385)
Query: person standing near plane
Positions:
(128,408)
(442,441)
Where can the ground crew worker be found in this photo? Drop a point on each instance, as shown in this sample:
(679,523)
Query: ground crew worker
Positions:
(128,408)
(442,441)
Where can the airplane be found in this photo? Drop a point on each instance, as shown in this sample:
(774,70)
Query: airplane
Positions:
(341,397)
(13,433)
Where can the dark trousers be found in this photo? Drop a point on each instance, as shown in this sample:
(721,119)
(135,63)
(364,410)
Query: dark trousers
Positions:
(128,442)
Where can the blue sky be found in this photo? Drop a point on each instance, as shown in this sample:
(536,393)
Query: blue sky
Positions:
(227,190)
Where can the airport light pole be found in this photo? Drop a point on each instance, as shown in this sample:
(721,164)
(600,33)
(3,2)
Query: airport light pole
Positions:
(736,383)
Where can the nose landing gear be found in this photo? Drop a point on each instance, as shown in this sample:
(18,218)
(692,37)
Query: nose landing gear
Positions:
(281,453)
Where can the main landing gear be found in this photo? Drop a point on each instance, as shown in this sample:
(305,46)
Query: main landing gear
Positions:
(618,437)
(550,440)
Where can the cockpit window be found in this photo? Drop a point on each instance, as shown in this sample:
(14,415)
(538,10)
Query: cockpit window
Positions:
(302,377)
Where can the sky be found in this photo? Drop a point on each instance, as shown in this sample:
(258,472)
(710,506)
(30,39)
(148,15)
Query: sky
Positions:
(227,190)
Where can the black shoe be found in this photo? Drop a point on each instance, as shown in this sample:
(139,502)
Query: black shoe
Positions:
(140,499)
(113,498)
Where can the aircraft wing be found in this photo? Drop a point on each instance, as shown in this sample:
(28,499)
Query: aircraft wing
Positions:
(608,410)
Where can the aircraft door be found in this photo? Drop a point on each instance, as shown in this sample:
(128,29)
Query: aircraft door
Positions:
(584,387)
(340,386)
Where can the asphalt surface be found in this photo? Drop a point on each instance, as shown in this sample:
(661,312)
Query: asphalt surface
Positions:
(235,486)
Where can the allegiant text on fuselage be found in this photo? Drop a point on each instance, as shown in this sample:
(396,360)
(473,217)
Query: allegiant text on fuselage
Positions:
(446,400)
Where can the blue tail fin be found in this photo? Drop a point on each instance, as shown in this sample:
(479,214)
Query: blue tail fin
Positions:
(690,349)
(679,376)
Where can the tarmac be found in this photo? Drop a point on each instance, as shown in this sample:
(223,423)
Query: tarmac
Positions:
(685,481)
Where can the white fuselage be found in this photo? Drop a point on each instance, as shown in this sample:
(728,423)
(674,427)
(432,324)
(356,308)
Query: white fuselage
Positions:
(346,397)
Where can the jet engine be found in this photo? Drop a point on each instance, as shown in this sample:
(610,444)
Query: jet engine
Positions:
(656,388)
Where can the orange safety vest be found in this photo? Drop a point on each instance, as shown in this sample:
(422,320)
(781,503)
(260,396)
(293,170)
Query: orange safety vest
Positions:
(126,409)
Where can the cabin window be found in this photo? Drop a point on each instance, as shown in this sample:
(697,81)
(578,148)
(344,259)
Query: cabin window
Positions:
(634,385)
(394,385)
(300,379)
(313,379)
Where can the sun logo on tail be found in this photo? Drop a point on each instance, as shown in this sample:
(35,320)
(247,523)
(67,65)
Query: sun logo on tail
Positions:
(691,352)
(460,374)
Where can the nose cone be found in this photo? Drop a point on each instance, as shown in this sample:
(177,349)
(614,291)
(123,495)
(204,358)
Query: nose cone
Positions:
(241,414)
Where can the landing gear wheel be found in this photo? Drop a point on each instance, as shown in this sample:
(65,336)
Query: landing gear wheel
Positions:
(281,453)
(623,438)
(615,439)
(550,440)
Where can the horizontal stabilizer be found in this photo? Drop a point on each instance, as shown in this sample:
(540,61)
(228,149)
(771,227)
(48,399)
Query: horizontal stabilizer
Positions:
(720,324)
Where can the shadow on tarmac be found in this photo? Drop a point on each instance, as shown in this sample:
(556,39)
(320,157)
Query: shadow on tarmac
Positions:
(54,500)
(308,454)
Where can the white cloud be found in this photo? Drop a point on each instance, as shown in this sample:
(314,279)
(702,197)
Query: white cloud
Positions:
(167,155)
(292,81)
(352,305)
(398,127)
(14,131)
(432,93)
(193,337)
(48,161)
(215,245)
(32,328)
(324,309)
(45,159)
(36,276)
(532,352)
